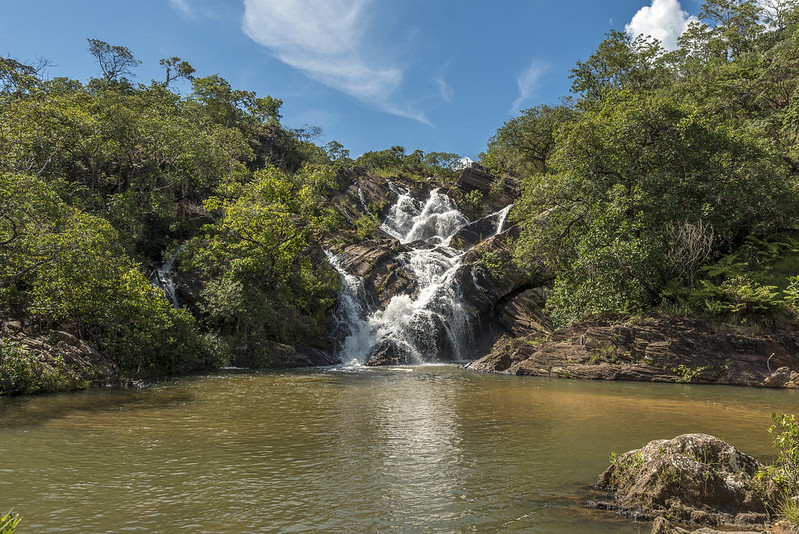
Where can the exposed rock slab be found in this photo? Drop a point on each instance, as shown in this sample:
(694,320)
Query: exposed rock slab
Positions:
(496,193)
(654,350)
(693,479)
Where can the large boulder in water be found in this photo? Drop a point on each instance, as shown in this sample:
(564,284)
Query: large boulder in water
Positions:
(693,478)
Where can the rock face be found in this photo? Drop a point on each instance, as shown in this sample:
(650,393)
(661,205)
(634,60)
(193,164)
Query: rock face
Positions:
(430,287)
(496,193)
(693,478)
(55,361)
(376,262)
(655,350)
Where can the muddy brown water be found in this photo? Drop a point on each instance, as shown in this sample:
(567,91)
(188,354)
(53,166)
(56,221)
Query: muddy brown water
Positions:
(419,449)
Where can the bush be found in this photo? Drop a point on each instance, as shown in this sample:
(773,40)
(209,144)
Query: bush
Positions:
(784,471)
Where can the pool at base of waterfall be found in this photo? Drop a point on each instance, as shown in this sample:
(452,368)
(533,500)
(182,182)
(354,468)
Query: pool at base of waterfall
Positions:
(430,448)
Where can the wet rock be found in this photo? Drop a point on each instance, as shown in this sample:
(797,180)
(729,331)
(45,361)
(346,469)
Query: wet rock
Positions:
(378,263)
(693,479)
(476,232)
(388,353)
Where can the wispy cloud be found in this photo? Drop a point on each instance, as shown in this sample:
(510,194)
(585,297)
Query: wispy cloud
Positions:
(528,83)
(182,6)
(664,20)
(444,89)
(327,41)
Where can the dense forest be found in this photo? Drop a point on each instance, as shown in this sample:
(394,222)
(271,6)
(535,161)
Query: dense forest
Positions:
(666,183)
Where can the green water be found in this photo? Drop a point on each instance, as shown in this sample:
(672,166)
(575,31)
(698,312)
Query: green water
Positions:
(424,449)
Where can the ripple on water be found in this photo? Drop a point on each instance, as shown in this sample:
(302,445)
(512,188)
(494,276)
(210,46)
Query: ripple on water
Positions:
(429,448)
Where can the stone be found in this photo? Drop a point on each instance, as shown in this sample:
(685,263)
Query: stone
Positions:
(661,525)
(652,350)
(693,479)
(778,378)
(387,353)
(476,178)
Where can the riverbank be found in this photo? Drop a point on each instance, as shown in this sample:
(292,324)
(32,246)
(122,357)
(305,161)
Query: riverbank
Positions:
(684,350)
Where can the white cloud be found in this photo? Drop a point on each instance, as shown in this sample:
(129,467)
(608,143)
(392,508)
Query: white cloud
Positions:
(182,6)
(326,40)
(528,83)
(664,20)
(444,89)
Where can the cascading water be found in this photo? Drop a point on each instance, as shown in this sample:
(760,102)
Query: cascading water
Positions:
(162,278)
(434,321)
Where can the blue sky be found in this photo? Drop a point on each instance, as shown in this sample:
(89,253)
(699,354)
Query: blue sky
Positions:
(435,75)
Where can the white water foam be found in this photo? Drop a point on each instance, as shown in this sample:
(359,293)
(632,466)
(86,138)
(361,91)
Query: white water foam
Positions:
(433,321)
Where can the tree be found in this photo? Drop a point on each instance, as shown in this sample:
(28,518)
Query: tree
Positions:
(523,145)
(620,62)
(114,61)
(734,26)
(176,68)
(624,174)
(17,79)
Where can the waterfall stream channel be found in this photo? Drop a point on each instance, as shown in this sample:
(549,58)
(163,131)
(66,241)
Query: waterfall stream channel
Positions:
(432,319)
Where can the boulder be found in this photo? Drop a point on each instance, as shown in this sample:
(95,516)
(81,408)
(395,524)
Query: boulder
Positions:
(388,353)
(693,479)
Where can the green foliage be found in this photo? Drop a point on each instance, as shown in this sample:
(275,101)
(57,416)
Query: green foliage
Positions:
(61,265)
(666,166)
(258,256)
(366,227)
(784,470)
(524,144)
(23,372)
(496,264)
(9,522)
(416,166)
(687,374)
(98,180)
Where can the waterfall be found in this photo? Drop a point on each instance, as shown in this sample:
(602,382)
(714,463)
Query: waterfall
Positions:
(162,279)
(431,324)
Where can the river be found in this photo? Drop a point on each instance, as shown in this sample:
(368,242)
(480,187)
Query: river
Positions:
(407,449)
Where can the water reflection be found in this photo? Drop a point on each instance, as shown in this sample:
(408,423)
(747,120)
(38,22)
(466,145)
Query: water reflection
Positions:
(407,449)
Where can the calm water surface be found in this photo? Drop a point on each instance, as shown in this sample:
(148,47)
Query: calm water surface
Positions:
(423,449)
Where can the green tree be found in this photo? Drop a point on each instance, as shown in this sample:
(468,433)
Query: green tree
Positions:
(114,61)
